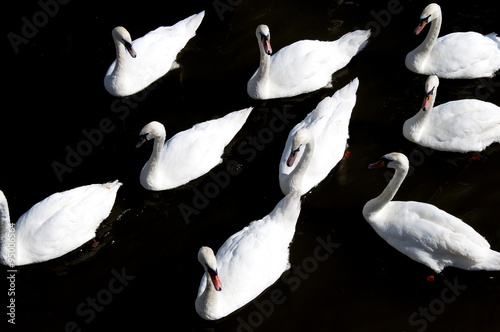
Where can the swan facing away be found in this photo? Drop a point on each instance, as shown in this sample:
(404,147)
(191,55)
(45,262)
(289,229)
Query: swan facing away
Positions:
(56,225)
(423,232)
(188,154)
(248,262)
(149,57)
(459,126)
(317,143)
(456,55)
(303,66)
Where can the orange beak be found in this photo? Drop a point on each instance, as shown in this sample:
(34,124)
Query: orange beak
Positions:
(427,101)
(216,281)
(420,26)
(267,45)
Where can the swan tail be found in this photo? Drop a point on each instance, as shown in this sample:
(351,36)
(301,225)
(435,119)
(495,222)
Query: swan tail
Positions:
(193,22)
(356,40)
(492,261)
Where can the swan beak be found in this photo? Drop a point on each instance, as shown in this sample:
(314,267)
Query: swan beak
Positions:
(378,164)
(292,157)
(427,102)
(141,142)
(267,45)
(420,26)
(215,280)
(130,49)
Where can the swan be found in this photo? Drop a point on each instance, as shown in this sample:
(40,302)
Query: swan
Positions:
(149,57)
(317,143)
(248,262)
(423,232)
(456,55)
(56,225)
(303,66)
(188,154)
(459,126)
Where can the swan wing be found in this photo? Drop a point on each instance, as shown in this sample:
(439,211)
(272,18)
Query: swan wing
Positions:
(464,54)
(430,235)
(63,221)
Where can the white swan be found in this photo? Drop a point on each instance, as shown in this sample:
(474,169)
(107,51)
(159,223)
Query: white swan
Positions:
(150,57)
(303,66)
(188,154)
(459,126)
(456,55)
(56,225)
(315,145)
(423,232)
(248,262)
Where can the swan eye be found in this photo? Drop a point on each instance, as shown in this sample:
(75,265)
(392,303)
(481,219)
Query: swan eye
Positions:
(425,19)
(263,36)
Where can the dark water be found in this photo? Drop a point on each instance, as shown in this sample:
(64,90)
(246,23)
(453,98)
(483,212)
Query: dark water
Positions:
(144,274)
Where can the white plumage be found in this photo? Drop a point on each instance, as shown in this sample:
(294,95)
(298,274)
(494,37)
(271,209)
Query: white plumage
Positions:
(459,126)
(58,224)
(188,154)
(317,143)
(248,262)
(303,66)
(150,57)
(456,55)
(423,232)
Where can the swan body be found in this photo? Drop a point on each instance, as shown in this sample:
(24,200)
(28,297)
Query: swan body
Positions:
(303,66)
(188,154)
(456,55)
(317,143)
(56,225)
(149,57)
(423,232)
(248,262)
(458,126)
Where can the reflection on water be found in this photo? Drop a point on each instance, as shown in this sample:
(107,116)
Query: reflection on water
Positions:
(343,276)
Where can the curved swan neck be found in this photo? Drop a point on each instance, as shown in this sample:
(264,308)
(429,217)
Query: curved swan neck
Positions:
(432,36)
(159,142)
(297,175)
(264,65)
(120,54)
(390,191)
(206,303)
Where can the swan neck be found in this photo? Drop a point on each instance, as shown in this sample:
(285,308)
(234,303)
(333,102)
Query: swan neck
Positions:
(154,160)
(297,175)
(390,191)
(206,303)
(432,35)
(120,54)
(264,65)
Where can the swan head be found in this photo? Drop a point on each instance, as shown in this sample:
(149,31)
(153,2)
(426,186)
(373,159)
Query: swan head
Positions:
(393,160)
(121,36)
(207,259)
(431,12)
(264,38)
(301,138)
(431,86)
(151,131)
